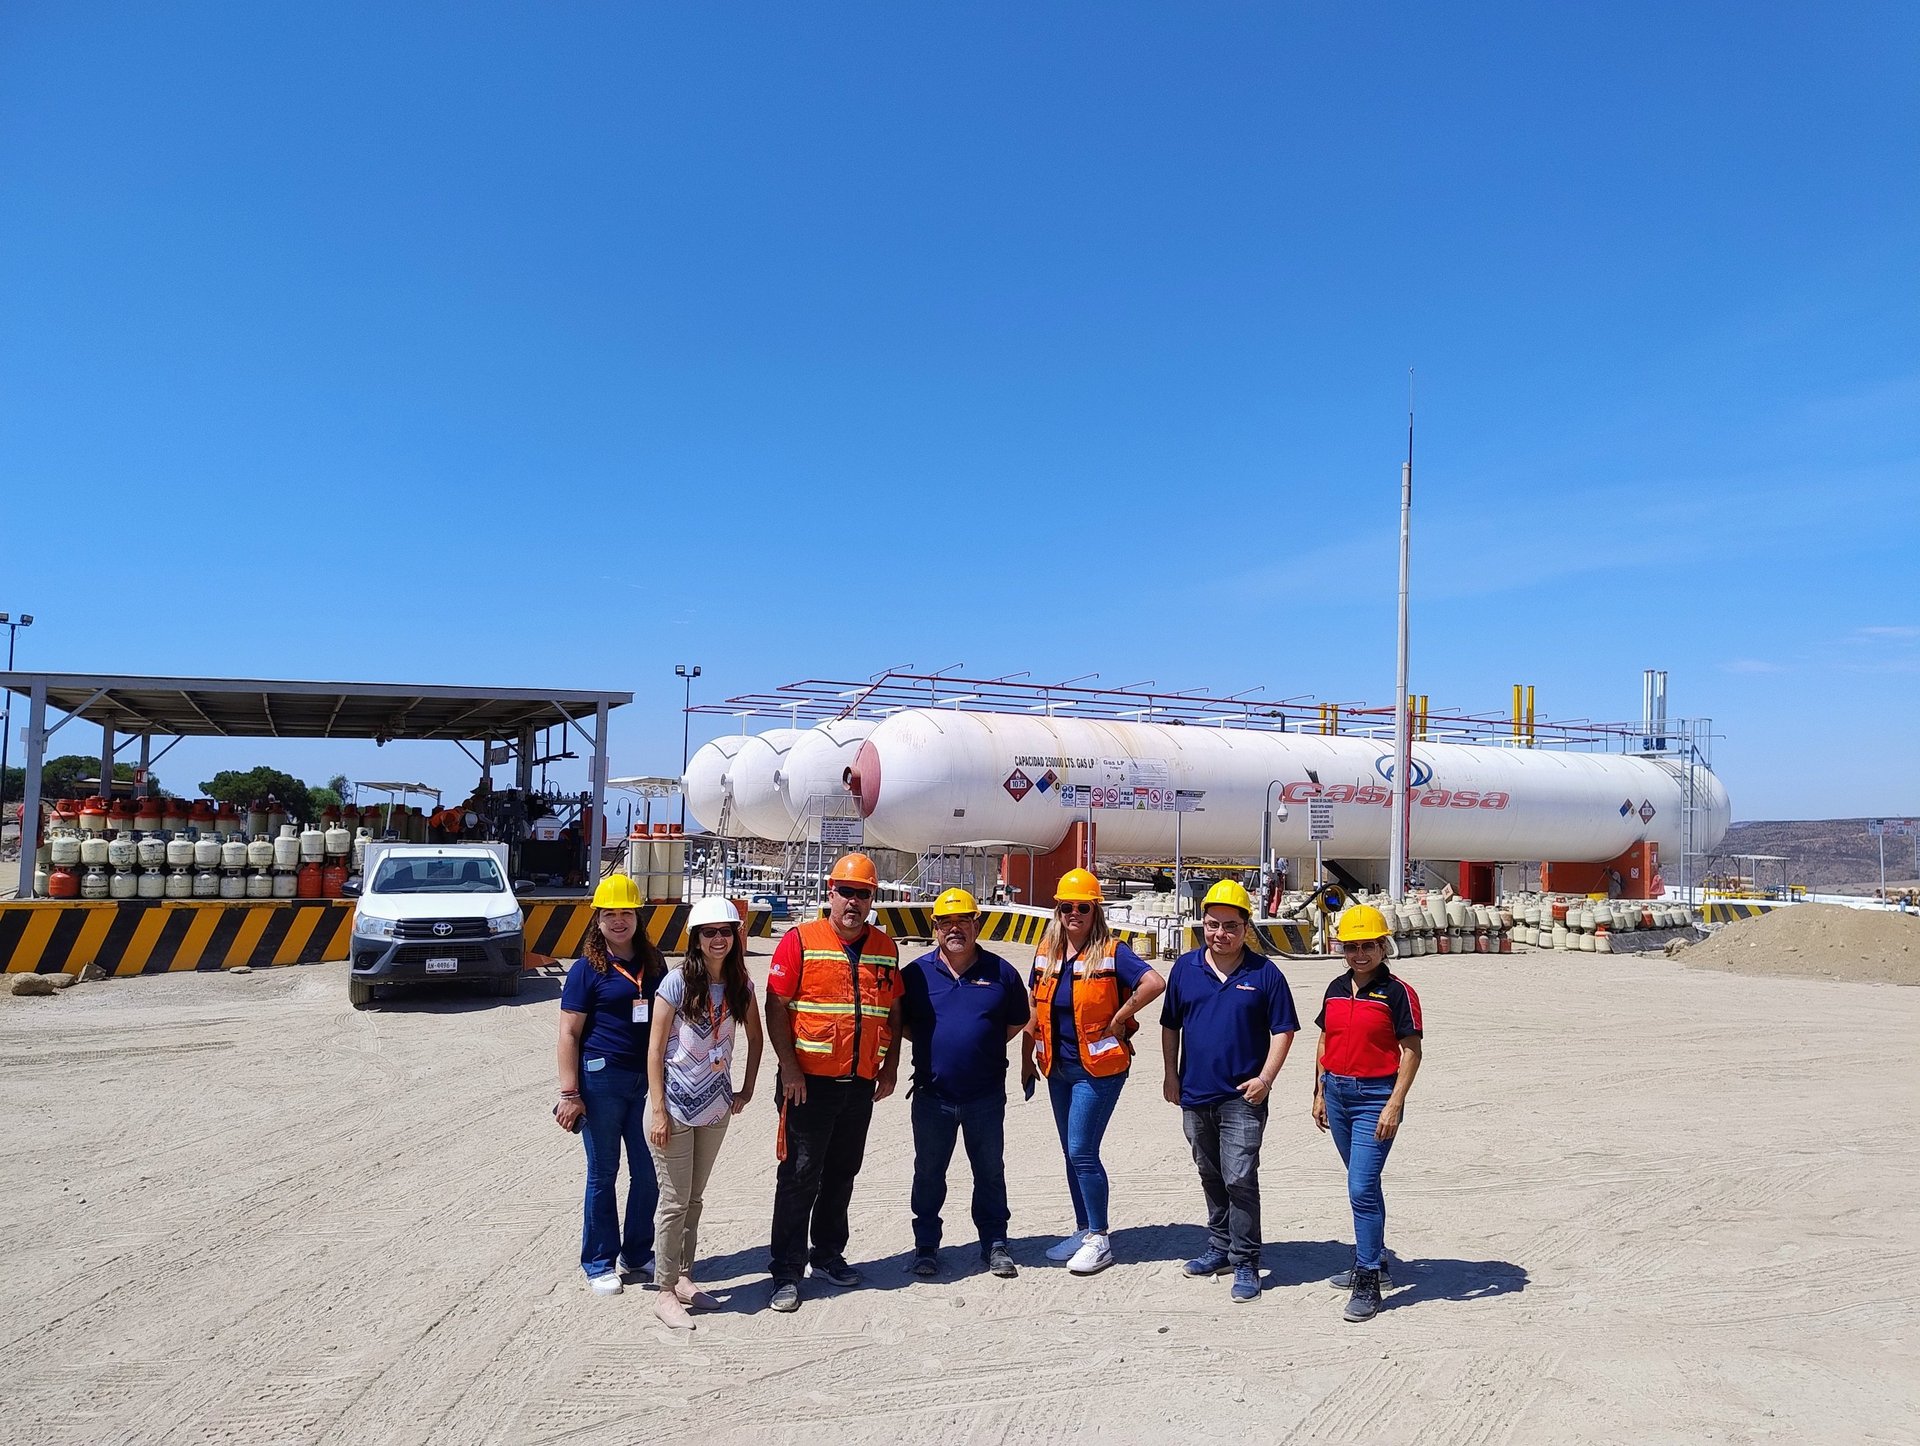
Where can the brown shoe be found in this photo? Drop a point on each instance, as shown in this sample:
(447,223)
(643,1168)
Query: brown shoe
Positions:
(672,1314)
(692,1297)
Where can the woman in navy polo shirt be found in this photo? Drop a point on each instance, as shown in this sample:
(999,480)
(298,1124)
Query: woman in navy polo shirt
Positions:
(605,1023)
(1369,1054)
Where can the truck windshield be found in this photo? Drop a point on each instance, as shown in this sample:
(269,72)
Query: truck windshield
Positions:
(437,876)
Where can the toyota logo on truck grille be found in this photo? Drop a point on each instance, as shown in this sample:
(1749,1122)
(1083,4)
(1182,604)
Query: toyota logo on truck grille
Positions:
(442,929)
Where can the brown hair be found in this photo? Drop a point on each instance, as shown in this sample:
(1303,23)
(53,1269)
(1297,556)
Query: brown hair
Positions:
(593,948)
(1053,942)
(697,999)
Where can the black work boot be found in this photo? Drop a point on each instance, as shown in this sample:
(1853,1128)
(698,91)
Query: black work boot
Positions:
(1364,1303)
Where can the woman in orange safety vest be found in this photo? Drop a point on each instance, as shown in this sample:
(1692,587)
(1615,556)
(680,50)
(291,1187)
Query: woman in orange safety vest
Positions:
(1087,989)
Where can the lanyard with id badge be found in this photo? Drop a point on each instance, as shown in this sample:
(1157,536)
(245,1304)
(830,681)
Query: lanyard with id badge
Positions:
(641,1013)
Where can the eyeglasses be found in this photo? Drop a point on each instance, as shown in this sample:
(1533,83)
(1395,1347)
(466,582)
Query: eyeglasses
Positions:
(1076,908)
(861,895)
(1224,926)
(1354,946)
(716,931)
(946,919)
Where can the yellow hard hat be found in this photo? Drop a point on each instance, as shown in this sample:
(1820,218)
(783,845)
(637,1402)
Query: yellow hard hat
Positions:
(1231,894)
(1077,886)
(1361,922)
(617,892)
(955,901)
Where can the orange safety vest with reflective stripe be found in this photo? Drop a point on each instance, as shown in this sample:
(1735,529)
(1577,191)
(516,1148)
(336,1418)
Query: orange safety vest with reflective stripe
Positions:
(840,1010)
(1096,995)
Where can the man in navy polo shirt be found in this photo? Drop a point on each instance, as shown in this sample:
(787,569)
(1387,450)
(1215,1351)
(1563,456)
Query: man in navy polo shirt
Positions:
(962,1006)
(1229,1022)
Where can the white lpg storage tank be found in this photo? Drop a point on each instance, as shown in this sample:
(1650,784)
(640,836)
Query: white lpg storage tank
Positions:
(705,781)
(926,778)
(758,809)
(813,778)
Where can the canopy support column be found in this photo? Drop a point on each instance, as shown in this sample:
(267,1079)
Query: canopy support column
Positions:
(30,802)
(599,776)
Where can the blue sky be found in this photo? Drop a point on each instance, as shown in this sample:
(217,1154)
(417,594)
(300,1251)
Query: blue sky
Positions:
(556,344)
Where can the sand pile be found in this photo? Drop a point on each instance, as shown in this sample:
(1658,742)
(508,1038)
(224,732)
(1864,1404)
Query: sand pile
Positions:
(1818,941)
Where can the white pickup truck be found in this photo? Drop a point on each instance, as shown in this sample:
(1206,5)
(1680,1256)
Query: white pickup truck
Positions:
(434,914)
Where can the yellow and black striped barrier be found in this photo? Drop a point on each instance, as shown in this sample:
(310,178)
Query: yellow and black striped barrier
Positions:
(1276,936)
(997,925)
(556,927)
(1727,911)
(159,936)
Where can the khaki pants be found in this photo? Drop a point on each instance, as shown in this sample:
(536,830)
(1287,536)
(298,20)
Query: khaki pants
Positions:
(683,1167)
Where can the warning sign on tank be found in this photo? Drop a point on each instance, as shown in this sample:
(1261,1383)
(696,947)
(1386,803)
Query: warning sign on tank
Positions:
(1018,784)
(1646,810)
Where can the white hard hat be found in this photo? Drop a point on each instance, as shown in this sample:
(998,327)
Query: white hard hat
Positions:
(713,910)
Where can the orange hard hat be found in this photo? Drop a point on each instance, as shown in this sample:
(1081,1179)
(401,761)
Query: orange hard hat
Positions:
(854,869)
(1077,886)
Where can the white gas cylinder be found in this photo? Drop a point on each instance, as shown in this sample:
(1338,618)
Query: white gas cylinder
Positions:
(93,883)
(260,853)
(179,852)
(259,885)
(286,849)
(180,884)
(339,841)
(125,884)
(206,853)
(151,851)
(233,854)
(153,883)
(286,884)
(232,886)
(121,852)
(313,844)
(93,848)
(64,848)
(206,883)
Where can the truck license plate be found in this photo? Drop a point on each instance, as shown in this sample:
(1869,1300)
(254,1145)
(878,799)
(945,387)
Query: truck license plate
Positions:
(442,966)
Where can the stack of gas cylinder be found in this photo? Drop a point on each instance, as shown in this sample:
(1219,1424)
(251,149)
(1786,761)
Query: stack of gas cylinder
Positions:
(1578,922)
(154,848)
(1438,923)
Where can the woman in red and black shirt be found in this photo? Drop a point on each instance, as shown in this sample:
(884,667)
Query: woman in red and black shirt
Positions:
(1369,1054)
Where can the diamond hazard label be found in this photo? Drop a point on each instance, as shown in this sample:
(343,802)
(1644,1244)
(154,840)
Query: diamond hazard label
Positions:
(1646,811)
(1626,808)
(1047,780)
(1018,784)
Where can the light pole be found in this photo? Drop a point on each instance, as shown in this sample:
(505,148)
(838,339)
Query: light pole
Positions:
(6,728)
(687,672)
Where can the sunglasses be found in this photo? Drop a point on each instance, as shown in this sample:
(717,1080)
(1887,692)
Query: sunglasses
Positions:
(1354,946)
(861,895)
(1076,908)
(716,931)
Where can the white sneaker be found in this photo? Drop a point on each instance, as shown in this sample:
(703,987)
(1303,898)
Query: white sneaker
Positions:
(1068,1247)
(608,1284)
(1093,1256)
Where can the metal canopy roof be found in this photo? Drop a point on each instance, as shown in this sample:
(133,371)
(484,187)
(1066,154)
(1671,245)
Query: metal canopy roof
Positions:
(273,708)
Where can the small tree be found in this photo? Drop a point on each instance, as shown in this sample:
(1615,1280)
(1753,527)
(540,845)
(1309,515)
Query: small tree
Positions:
(241,789)
(63,777)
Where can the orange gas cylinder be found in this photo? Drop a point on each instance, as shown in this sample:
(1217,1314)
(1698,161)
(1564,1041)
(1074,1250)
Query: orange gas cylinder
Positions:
(93,816)
(202,816)
(332,877)
(122,814)
(66,813)
(63,883)
(149,819)
(307,883)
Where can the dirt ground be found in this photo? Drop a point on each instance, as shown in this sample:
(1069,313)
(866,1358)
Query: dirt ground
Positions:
(1817,941)
(1637,1202)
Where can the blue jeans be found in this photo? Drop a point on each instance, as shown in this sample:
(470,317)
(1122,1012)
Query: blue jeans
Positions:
(1226,1150)
(616,1101)
(982,1123)
(1353,1109)
(1082,1106)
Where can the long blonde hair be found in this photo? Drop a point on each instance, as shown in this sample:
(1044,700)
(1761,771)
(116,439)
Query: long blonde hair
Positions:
(1054,944)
